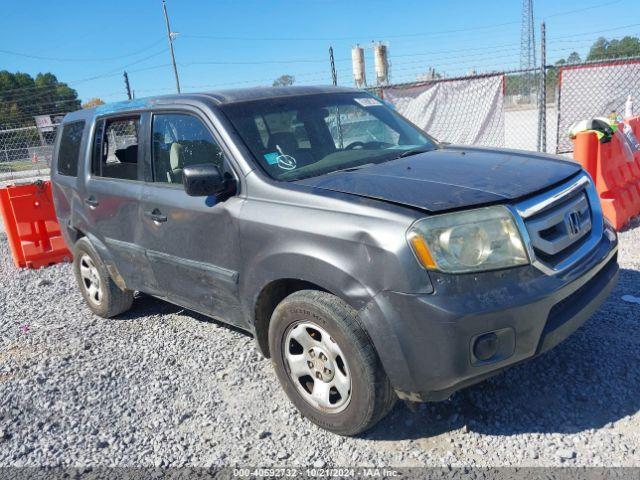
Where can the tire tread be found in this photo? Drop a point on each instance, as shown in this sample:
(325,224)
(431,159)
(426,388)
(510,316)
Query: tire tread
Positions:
(384,396)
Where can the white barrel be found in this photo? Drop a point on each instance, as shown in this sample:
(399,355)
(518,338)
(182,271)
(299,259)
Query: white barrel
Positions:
(628,107)
(357,61)
(381,60)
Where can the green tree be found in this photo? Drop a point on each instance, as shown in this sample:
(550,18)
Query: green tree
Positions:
(574,57)
(603,49)
(22,97)
(598,50)
(284,81)
(629,47)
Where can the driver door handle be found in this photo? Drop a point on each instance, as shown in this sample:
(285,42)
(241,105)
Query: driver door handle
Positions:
(156,216)
(92,202)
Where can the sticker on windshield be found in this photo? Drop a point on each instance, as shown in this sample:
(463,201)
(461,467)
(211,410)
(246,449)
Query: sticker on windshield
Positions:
(367,101)
(271,158)
(287,162)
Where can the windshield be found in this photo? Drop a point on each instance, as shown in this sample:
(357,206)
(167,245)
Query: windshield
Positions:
(310,135)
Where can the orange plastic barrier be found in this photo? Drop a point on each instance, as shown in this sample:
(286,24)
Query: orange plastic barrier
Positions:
(616,178)
(32,229)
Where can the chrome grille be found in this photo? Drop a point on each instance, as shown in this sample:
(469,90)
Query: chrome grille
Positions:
(562,225)
(557,228)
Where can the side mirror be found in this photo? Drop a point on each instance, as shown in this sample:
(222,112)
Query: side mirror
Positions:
(204,180)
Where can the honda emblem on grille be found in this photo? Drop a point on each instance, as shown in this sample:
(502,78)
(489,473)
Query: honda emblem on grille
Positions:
(573,221)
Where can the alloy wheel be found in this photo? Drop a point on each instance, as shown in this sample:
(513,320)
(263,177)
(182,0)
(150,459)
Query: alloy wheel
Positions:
(90,279)
(317,367)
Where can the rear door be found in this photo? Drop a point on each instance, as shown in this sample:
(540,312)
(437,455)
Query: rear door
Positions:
(191,242)
(113,194)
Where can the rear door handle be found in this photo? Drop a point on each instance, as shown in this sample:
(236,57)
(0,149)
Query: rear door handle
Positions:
(156,216)
(92,202)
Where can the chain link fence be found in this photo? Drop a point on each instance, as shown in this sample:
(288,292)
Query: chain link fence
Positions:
(26,152)
(466,110)
(597,89)
(500,109)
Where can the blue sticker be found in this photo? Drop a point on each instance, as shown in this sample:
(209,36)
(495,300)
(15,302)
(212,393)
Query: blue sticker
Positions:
(210,201)
(271,158)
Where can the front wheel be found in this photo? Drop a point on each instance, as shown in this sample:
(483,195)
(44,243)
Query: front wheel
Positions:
(327,364)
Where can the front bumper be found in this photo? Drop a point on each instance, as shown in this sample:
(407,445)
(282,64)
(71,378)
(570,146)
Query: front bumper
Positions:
(425,341)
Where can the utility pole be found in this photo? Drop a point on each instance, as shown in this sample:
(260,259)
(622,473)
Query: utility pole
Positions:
(126,85)
(171,36)
(334,76)
(334,79)
(542,95)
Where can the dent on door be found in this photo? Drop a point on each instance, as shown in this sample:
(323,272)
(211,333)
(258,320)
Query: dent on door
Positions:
(193,251)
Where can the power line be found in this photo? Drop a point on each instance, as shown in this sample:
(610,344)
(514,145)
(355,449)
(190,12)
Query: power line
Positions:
(49,89)
(258,62)
(390,36)
(117,71)
(38,92)
(81,60)
(322,39)
(475,61)
(108,74)
(578,10)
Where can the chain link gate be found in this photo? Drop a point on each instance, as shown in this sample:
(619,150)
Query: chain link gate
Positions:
(25,152)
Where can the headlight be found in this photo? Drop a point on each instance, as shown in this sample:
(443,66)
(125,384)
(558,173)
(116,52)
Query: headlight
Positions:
(470,241)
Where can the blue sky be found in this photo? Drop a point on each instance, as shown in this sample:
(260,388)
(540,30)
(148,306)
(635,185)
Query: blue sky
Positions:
(226,43)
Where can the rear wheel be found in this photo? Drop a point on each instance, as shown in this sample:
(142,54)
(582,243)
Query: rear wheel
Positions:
(100,292)
(327,364)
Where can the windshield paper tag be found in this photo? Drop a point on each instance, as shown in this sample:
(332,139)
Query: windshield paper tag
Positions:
(285,162)
(271,158)
(367,101)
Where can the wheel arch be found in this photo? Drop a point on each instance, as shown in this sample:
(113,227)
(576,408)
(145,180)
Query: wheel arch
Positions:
(106,257)
(276,276)
(267,301)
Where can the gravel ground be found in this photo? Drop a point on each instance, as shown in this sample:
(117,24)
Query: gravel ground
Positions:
(161,386)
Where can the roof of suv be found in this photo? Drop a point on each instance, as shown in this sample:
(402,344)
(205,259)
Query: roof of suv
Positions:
(259,93)
(219,97)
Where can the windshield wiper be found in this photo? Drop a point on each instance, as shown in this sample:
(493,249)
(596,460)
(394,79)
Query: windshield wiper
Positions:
(351,169)
(414,151)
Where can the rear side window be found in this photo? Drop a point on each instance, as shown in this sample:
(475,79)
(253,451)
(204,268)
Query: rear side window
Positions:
(69,150)
(115,148)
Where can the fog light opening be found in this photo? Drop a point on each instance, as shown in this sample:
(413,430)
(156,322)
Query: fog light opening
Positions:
(486,346)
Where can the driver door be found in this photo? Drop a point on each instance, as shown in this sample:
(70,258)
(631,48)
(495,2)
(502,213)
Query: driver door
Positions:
(191,242)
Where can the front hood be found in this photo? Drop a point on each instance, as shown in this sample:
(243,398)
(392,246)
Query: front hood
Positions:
(451,177)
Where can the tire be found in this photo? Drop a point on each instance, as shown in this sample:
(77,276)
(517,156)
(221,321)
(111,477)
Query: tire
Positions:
(107,300)
(344,362)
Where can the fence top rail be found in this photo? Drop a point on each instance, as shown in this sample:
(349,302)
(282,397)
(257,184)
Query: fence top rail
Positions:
(590,63)
(476,76)
(19,129)
(605,62)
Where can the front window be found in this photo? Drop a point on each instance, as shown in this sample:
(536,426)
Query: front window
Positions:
(181,140)
(311,135)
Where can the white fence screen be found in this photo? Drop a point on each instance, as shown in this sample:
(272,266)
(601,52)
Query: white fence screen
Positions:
(463,111)
(598,90)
